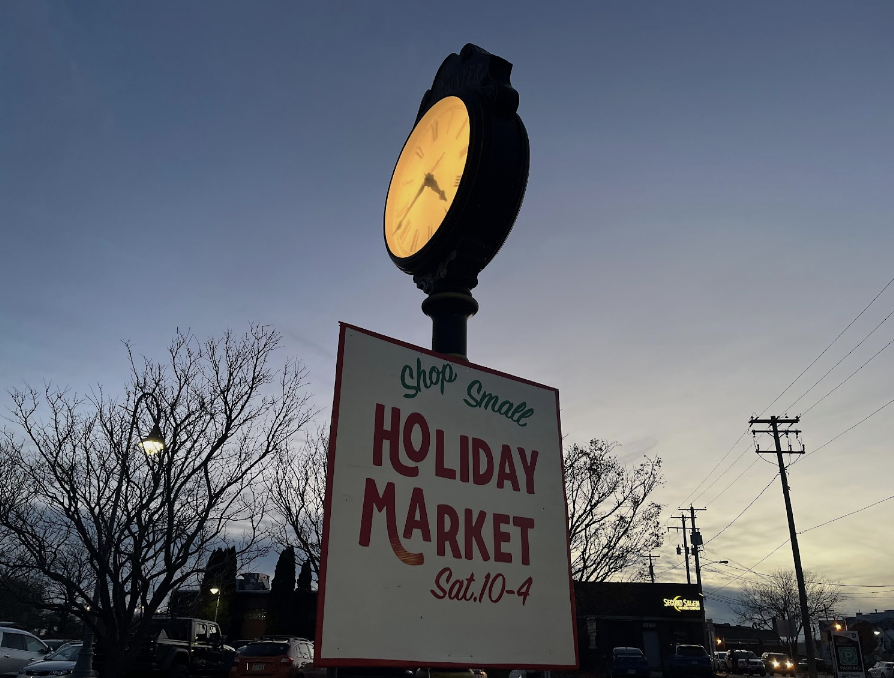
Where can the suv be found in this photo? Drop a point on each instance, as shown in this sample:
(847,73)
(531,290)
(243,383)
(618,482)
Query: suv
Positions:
(280,656)
(688,661)
(745,662)
(776,662)
(18,648)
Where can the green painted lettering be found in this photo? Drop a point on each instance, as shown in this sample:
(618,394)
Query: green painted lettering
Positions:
(478,398)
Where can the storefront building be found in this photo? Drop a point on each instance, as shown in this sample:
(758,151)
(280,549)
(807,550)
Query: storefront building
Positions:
(652,617)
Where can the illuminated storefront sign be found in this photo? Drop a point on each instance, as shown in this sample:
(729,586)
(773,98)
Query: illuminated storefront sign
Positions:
(683,604)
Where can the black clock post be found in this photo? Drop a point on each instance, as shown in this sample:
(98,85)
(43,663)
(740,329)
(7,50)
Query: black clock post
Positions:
(488,197)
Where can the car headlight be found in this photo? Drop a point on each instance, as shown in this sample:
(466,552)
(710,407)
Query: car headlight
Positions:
(788,665)
(60,672)
(775,664)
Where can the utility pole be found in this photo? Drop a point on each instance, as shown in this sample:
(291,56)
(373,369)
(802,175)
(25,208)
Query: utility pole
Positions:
(774,423)
(696,543)
(685,545)
(651,569)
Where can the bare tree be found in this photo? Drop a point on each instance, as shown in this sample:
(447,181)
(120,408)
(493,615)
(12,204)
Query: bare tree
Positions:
(297,495)
(113,530)
(611,520)
(775,596)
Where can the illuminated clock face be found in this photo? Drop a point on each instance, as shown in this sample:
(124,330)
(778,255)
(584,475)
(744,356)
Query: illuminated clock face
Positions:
(427,177)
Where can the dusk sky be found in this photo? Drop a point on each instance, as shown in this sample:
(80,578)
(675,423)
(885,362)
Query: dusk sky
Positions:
(709,205)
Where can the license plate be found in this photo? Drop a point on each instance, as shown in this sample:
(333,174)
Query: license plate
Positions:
(631,671)
(258,667)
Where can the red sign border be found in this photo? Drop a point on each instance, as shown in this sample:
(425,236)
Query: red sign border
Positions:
(335,662)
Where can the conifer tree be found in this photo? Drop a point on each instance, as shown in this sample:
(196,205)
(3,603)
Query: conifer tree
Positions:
(280,619)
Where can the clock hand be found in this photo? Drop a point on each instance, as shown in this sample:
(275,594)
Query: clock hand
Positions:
(400,223)
(432,183)
(437,163)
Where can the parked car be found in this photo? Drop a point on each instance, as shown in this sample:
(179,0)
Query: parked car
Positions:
(58,663)
(279,656)
(881,670)
(776,662)
(745,662)
(629,661)
(688,661)
(18,648)
(55,643)
(721,661)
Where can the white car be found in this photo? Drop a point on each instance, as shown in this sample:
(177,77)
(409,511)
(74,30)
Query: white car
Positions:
(881,670)
(18,648)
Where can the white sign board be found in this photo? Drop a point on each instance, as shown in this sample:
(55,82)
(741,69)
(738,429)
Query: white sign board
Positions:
(446,540)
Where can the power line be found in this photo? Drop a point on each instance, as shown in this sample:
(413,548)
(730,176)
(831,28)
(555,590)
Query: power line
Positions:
(841,361)
(829,442)
(822,353)
(736,479)
(784,391)
(750,504)
(809,529)
(859,510)
(755,565)
(714,469)
(844,381)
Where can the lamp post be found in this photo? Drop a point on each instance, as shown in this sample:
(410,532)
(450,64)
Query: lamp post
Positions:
(216,592)
(152,444)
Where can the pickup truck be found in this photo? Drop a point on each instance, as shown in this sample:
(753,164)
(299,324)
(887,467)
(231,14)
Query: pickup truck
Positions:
(180,647)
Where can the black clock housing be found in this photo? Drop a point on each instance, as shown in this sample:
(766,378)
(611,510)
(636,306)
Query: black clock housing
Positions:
(493,185)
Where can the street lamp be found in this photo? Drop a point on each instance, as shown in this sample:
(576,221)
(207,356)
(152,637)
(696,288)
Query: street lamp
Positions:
(216,592)
(154,442)
(151,444)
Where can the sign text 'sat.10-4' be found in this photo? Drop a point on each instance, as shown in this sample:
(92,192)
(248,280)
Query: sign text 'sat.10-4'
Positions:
(492,588)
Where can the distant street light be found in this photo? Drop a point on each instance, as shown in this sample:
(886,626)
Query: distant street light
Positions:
(151,444)
(216,592)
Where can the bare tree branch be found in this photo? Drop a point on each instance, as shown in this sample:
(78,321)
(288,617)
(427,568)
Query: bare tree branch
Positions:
(611,521)
(107,527)
(776,597)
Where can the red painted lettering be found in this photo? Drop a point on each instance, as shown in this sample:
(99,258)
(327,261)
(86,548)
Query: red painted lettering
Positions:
(417,516)
(442,592)
(528,467)
(441,469)
(524,524)
(448,526)
(381,434)
(507,469)
(500,538)
(480,451)
(416,454)
(384,502)
(472,533)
